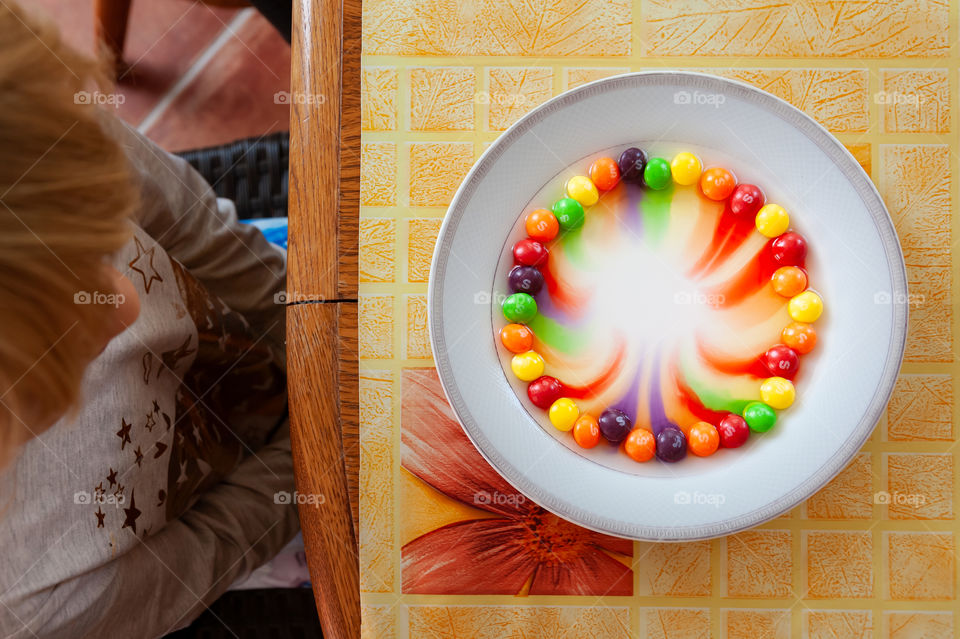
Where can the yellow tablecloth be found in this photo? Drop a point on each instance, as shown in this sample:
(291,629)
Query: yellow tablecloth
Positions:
(443,545)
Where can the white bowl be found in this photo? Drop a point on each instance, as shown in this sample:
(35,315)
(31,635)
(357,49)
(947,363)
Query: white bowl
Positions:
(858,268)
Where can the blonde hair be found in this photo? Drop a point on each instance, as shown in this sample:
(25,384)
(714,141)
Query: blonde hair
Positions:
(65,193)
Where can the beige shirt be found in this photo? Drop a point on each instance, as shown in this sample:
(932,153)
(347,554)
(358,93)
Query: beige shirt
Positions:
(128,519)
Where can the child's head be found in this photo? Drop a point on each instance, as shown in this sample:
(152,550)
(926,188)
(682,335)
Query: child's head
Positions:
(65,194)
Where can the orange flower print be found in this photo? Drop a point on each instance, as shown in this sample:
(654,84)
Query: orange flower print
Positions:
(516,546)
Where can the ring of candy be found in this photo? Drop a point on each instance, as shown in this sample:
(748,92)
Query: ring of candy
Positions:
(778,366)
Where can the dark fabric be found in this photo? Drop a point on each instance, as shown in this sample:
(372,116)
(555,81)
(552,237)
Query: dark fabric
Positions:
(278,613)
(279,13)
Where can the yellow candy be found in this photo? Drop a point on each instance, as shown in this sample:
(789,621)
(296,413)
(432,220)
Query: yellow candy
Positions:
(564,413)
(686,168)
(772,220)
(777,392)
(527,366)
(805,307)
(583,190)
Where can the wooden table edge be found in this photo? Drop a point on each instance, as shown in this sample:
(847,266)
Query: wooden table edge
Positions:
(322,298)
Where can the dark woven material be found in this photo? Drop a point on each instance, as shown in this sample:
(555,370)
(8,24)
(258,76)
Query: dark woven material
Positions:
(278,613)
(253,173)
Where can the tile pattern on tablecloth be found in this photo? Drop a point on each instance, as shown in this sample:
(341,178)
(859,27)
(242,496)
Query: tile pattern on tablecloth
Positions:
(750,624)
(873,553)
(378,98)
(849,495)
(377,249)
(376,498)
(849,624)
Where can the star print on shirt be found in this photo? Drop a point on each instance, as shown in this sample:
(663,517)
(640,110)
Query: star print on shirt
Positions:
(124,433)
(182,477)
(112,477)
(149,274)
(139,454)
(131,515)
(151,422)
(100,515)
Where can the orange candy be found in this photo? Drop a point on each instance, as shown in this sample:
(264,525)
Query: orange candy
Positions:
(717,184)
(517,338)
(542,225)
(640,445)
(586,431)
(703,439)
(789,281)
(605,173)
(799,336)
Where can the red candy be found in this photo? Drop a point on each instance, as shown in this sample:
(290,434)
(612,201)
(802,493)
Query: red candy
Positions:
(605,173)
(746,200)
(733,431)
(782,361)
(529,252)
(543,391)
(789,249)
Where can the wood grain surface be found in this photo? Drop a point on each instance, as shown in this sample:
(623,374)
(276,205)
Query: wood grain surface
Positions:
(322,298)
(324,150)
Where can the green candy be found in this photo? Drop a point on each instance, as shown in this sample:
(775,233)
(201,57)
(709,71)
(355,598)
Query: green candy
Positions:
(657,174)
(569,213)
(759,417)
(519,307)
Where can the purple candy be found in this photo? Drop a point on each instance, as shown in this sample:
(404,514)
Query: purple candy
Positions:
(671,444)
(615,425)
(525,279)
(631,165)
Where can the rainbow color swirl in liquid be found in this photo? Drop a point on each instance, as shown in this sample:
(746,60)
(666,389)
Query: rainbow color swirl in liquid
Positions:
(660,305)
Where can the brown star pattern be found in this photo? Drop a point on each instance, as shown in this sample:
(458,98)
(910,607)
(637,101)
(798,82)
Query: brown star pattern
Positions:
(143,259)
(139,455)
(151,422)
(112,477)
(124,433)
(131,514)
(100,515)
